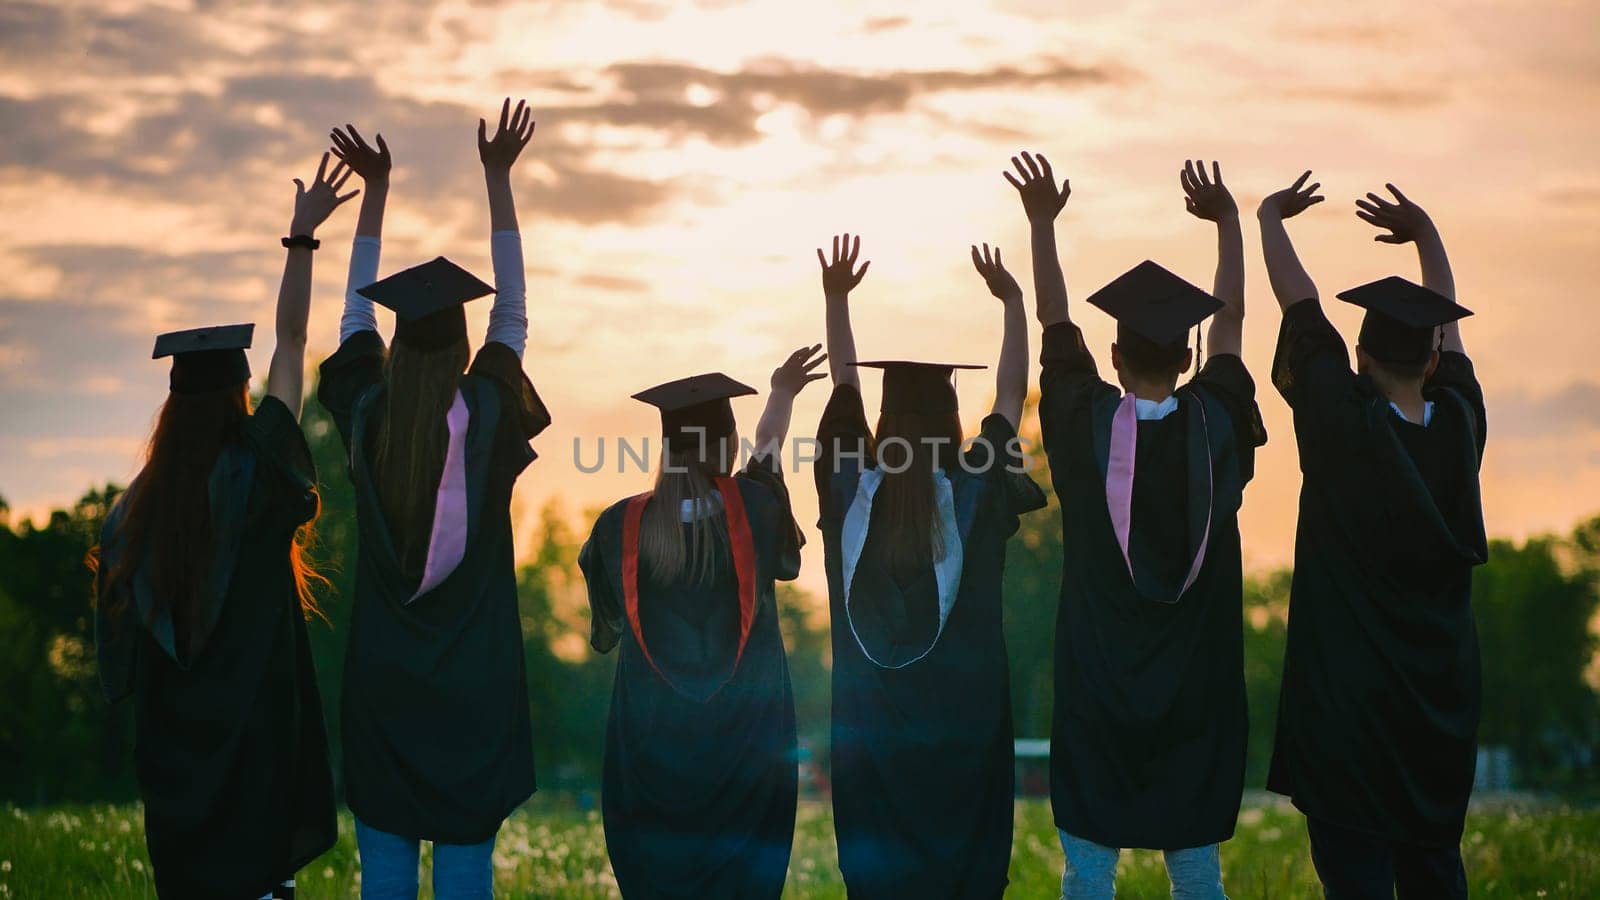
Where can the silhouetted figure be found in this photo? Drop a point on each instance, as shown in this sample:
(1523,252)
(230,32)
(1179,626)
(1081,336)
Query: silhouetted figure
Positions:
(201,599)
(1378,717)
(437,740)
(701,769)
(915,526)
(1148,737)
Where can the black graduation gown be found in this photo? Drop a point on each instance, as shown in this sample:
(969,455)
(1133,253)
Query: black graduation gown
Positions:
(700,783)
(437,740)
(231,754)
(1378,715)
(921,761)
(1149,729)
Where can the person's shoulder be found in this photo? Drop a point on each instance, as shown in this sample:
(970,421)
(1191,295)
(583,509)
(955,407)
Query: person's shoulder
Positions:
(756,490)
(610,518)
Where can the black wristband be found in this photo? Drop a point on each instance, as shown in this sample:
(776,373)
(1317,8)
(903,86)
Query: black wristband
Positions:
(302,240)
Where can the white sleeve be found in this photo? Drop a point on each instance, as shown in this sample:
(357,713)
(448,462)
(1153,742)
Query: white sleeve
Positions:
(508,318)
(358,314)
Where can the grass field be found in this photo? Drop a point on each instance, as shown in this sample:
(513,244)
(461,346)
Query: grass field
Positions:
(550,849)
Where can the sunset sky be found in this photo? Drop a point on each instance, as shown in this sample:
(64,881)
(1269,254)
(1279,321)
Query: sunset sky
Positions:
(690,156)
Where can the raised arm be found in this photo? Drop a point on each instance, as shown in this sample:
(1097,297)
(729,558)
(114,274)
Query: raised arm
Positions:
(312,206)
(1206,197)
(839,278)
(508,318)
(1042,201)
(373,165)
(1406,223)
(1011,373)
(788,380)
(1290,282)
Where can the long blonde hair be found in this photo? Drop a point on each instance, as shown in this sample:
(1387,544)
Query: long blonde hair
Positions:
(673,553)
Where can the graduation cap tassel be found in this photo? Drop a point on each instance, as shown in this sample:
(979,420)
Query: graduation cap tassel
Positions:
(1199,347)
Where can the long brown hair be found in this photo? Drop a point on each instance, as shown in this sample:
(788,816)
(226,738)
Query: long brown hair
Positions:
(408,457)
(686,473)
(166,516)
(932,441)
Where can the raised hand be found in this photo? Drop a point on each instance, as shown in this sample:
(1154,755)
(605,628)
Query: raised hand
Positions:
(796,371)
(354,151)
(1040,198)
(1206,197)
(994,273)
(840,276)
(1405,220)
(514,132)
(313,205)
(1292,200)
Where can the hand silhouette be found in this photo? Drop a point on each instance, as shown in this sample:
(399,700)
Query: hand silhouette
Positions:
(1206,198)
(313,206)
(796,371)
(1292,200)
(840,276)
(1405,220)
(354,151)
(994,273)
(514,132)
(1040,199)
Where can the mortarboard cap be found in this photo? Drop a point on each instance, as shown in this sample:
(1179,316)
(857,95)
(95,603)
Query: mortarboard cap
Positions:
(427,300)
(916,387)
(206,359)
(695,406)
(1401,317)
(1155,304)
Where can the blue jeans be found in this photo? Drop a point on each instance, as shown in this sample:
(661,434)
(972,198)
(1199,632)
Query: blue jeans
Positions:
(389,867)
(1195,873)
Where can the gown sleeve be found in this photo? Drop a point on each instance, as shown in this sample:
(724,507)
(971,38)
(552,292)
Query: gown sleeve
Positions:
(998,455)
(500,363)
(767,471)
(842,433)
(1311,362)
(1227,379)
(1455,372)
(281,447)
(1068,380)
(356,366)
(605,607)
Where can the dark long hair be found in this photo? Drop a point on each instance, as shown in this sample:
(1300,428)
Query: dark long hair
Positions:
(408,457)
(166,518)
(686,473)
(934,439)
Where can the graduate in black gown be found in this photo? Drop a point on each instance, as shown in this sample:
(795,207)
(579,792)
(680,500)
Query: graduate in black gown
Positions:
(202,595)
(1378,716)
(1149,727)
(701,767)
(437,742)
(914,526)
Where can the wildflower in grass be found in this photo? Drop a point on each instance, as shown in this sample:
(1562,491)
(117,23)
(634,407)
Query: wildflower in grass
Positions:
(5,865)
(327,872)
(138,865)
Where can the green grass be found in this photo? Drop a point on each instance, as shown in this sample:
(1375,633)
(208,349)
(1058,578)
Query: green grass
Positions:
(551,849)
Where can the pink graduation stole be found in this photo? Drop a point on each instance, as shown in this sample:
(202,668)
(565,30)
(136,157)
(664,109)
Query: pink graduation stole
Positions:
(1119,485)
(447,542)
